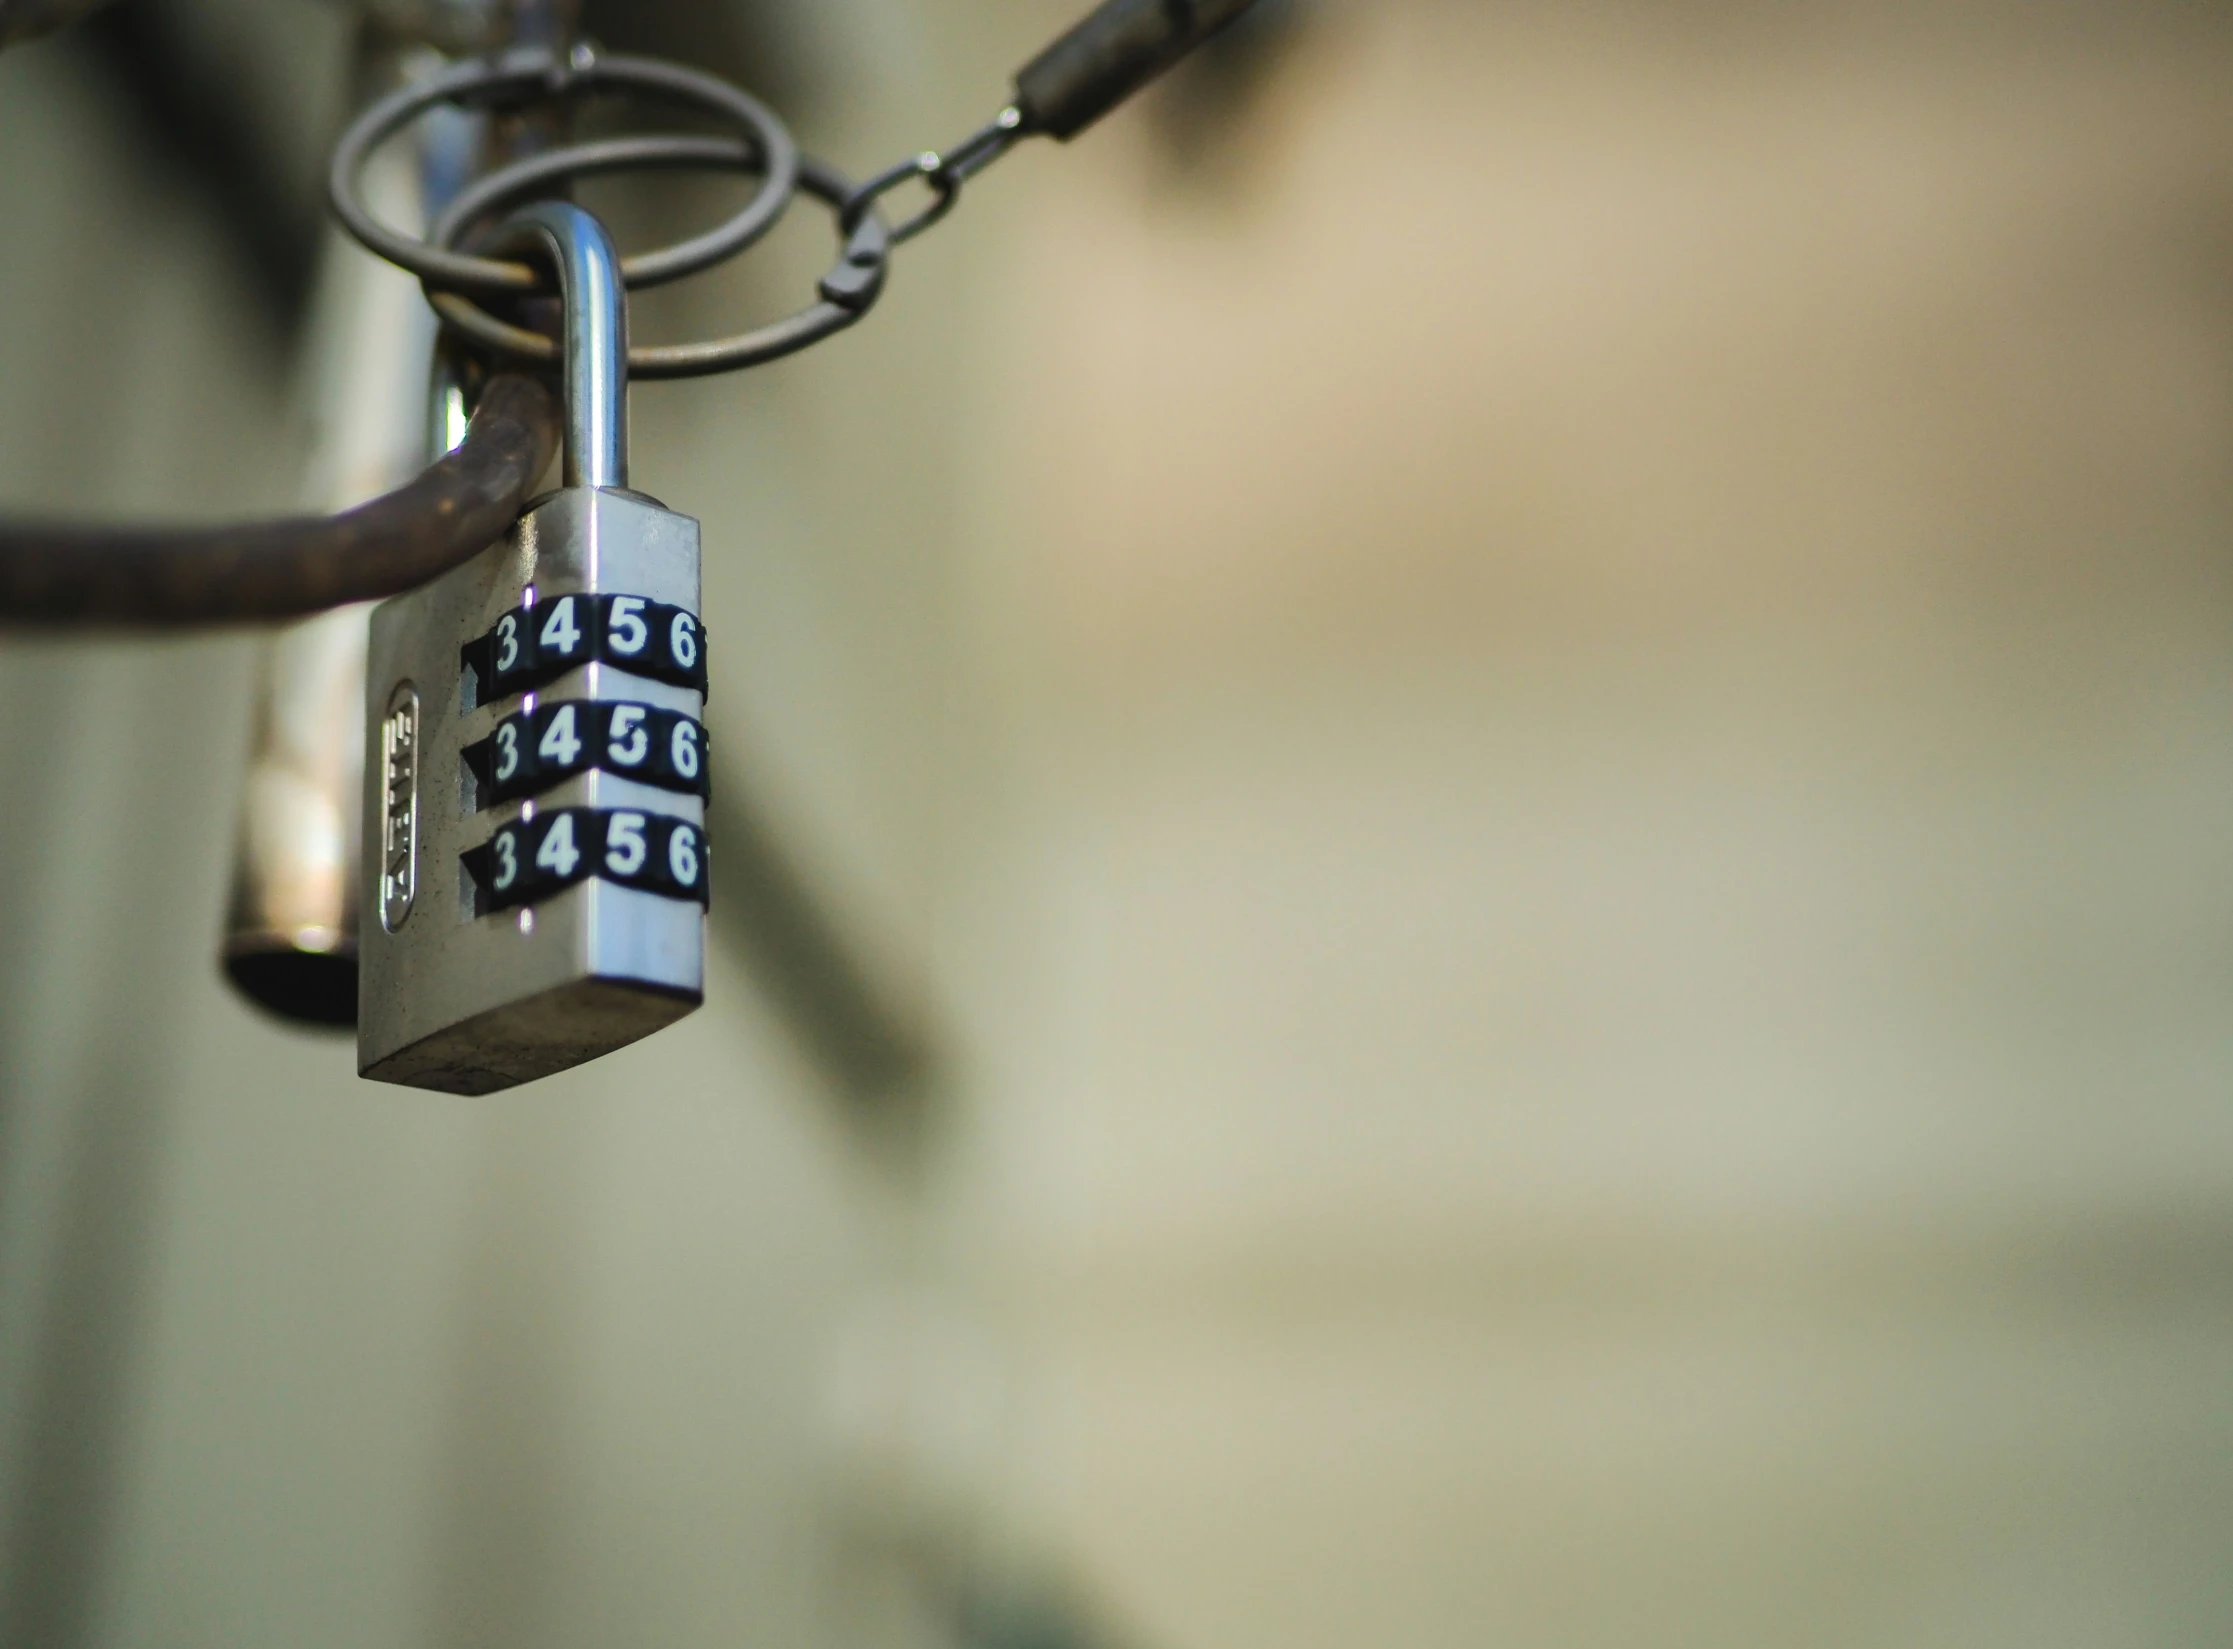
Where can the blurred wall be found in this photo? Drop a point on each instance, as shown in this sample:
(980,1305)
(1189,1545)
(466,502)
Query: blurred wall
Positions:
(1614,630)
(1536,705)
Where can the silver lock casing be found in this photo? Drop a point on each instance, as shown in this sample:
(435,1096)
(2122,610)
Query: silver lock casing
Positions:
(468,1004)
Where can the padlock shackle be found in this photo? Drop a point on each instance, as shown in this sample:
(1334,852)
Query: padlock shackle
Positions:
(594,351)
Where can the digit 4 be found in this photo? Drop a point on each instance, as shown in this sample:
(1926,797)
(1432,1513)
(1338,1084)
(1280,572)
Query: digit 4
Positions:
(561,636)
(558,854)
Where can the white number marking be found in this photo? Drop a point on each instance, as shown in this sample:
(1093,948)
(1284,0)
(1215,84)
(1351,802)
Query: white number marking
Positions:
(627,633)
(628,725)
(624,844)
(682,641)
(507,752)
(560,634)
(682,855)
(507,636)
(682,749)
(558,855)
(559,745)
(507,853)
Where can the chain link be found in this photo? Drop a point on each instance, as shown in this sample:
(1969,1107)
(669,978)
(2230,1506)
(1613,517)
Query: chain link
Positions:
(943,173)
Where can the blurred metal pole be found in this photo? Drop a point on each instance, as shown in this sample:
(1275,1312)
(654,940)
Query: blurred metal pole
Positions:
(22,20)
(291,931)
(461,27)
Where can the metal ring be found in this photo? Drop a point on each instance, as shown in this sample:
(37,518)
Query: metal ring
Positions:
(543,72)
(848,291)
(623,154)
(931,167)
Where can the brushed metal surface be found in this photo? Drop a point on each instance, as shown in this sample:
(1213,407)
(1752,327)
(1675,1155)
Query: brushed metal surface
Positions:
(470,1004)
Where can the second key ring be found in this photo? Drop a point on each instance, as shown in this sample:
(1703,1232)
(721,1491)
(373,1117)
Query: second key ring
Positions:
(845,294)
(538,71)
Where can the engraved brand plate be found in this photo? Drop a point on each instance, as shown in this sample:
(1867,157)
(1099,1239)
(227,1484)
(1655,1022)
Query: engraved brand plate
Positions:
(399,836)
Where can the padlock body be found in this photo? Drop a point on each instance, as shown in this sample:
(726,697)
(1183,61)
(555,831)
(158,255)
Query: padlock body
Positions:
(487,963)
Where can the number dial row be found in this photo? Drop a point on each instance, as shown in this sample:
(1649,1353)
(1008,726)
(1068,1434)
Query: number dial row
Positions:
(531,860)
(530,752)
(541,643)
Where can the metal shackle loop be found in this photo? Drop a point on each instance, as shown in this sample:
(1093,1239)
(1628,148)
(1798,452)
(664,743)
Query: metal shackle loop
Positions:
(594,354)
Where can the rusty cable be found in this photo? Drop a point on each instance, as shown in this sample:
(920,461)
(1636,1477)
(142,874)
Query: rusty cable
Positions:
(57,575)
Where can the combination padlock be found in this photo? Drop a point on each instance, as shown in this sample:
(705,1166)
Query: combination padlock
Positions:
(537,877)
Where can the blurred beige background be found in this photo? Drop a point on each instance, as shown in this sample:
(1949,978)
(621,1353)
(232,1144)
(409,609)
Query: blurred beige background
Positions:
(1538,702)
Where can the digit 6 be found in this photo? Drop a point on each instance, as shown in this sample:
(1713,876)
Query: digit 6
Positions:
(682,749)
(682,641)
(682,856)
